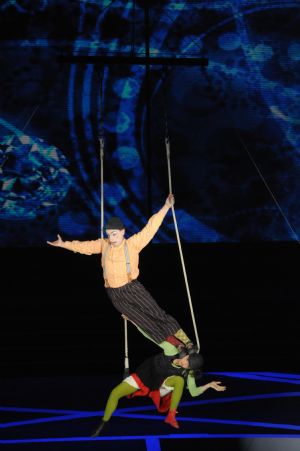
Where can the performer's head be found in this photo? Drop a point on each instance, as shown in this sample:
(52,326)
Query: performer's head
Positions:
(115,231)
(192,361)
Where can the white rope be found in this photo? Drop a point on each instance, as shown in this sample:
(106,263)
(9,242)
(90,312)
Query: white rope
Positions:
(126,361)
(180,248)
(31,116)
(291,228)
(101,141)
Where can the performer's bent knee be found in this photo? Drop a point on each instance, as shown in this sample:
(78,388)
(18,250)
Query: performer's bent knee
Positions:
(175,381)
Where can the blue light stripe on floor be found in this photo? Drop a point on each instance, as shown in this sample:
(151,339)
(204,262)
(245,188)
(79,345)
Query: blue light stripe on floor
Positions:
(143,437)
(215,401)
(153,444)
(294,427)
(50,411)
(46,420)
(283,375)
(252,376)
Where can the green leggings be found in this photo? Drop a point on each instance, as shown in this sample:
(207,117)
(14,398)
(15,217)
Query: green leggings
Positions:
(124,389)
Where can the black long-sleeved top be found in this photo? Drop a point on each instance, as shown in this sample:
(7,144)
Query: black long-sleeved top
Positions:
(153,371)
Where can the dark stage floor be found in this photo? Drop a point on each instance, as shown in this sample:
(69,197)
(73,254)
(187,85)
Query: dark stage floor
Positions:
(258,412)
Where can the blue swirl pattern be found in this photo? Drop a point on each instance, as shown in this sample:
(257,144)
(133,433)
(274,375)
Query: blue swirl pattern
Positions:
(247,98)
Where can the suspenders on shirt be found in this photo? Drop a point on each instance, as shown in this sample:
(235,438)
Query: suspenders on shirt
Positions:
(127,259)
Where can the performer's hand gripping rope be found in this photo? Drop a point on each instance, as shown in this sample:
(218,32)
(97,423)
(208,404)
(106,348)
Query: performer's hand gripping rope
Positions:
(179,244)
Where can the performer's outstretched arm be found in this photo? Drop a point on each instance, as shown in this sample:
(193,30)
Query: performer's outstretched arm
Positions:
(196,391)
(142,238)
(83,247)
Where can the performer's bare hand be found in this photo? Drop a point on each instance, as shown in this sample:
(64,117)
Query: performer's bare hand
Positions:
(170,201)
(216,385)
(57,243)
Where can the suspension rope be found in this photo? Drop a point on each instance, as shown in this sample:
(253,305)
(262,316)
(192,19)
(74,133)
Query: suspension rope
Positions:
(101,141)
(126,360)
(101,151)
(167,142)
(294,233)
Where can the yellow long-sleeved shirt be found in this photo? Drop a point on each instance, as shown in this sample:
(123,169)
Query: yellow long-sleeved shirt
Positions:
(115,262)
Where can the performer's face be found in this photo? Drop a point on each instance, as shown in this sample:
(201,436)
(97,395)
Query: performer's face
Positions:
(184,362)
(115,237)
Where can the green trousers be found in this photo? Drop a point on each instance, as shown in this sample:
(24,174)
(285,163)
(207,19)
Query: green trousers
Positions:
(124,389)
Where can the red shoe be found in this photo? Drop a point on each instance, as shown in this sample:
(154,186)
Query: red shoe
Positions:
(171,419)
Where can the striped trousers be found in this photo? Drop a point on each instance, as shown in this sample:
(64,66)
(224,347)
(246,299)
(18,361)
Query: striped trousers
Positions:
(134,301)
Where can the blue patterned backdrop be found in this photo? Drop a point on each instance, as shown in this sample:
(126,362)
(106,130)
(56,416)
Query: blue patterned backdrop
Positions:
(233,126)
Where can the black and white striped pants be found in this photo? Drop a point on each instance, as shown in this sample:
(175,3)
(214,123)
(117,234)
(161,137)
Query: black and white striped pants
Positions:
(134,301)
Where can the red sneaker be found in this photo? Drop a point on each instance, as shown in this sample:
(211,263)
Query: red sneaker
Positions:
(171,419)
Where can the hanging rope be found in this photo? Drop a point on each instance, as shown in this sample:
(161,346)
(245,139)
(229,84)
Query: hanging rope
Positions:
(292,230)
(101,151)
(101,141)
(126,361)
(167,142)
